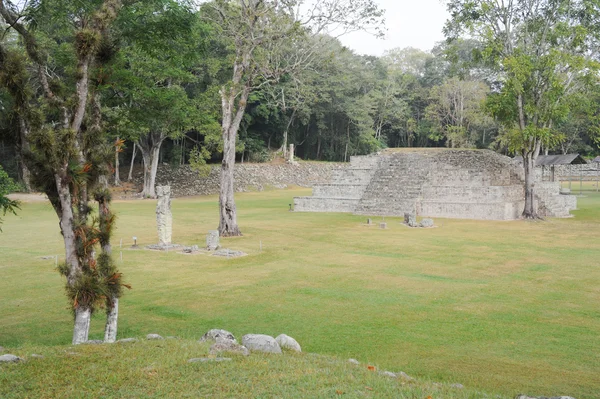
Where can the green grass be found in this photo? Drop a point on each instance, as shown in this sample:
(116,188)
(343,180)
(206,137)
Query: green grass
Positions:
(503,307)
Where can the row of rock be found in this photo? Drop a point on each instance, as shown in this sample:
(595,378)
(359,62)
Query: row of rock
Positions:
(224,341)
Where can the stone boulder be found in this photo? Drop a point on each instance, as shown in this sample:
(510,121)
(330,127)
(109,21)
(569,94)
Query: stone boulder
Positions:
(127,340)
(154,337)
(209,359)
(9,359)
(410,219)
(287,342)
(227,346)
(426,223)
(218,335)
(521,396)
(261,343)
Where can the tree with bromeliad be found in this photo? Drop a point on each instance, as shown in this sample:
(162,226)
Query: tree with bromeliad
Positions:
(544,53)
(53,74)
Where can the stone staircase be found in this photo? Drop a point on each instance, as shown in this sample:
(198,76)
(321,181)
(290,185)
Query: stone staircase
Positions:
(396,186)
(346,189)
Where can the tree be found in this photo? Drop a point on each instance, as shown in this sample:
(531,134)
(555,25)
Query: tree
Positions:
(59,114)
(7,186)
(540,49)
(259,33)
(456,109)
(146,92)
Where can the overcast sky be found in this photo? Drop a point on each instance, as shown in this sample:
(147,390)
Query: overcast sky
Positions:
(410,23)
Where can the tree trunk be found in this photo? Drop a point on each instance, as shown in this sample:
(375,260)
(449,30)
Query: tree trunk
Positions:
(117,177)
(529,166)
(65,213)
(25,174)
(112,315)
(151,156)
(83,317)
(231,122)
(130,175)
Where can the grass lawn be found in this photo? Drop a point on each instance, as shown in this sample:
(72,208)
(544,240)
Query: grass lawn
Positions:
(503,307)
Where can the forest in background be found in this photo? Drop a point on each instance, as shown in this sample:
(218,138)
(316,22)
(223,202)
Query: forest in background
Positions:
(161,89)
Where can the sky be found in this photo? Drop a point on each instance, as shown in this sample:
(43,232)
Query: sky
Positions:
(410,23)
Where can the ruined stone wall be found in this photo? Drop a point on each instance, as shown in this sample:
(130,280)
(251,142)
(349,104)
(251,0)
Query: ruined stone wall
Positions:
(248,177)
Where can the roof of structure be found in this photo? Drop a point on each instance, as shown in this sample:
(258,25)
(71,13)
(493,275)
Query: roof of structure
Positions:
(597,159)
(567,159)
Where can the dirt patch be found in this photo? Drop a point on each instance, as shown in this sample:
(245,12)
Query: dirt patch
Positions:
(28,197)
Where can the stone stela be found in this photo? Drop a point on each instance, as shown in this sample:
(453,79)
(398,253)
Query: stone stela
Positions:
(164,218)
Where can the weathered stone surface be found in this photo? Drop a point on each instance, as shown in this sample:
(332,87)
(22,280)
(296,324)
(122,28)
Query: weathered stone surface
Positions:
(164,218)
(388,374)
(184,181)
(228,347)
(190,250)
(8,358)
(127,340)
(163,247)
(212,240)
(94,342)
(209,359)
(154,337)
(287,342)
(261,343)
(353,361)
(369,221)
(218,335)
(453,183)
(383,226)
(410,219)
(229,253)
(521,396)
(426,223)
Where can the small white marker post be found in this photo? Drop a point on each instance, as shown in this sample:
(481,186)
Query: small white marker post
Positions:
(56,261)
(260,245)
(134,241)
(121,256)
(121,243)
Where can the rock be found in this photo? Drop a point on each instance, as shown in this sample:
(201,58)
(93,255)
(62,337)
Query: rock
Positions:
(94,342)
(228,347)
(388,374)
(426,223)
(353,361)
(229,253)
(261,343)
(404,376)
(458,386)
(209,359)
(154,337)
(9,359)
(164,218)
(410,219)
(191,250)
(218,335)
(287,342)
(521,396)
(212,240)
(383,226)
(369,221)
(36,356)
(126,340)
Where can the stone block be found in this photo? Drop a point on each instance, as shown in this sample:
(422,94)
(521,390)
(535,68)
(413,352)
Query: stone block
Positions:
(212,240)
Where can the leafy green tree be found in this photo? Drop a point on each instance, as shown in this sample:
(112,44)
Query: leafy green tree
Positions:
(540,50)
(259,33)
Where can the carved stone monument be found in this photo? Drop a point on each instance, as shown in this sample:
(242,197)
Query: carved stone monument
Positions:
(212,240)
(410,219)
(164,218)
